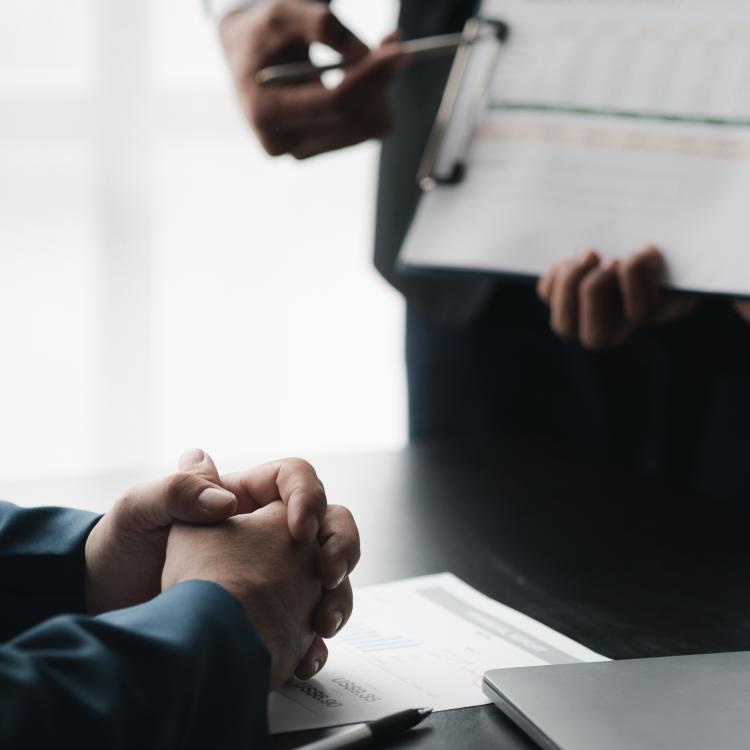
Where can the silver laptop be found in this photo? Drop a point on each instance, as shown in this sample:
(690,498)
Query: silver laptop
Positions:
(673,703)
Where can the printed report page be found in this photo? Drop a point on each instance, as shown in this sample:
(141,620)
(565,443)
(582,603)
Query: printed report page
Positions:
(421,642)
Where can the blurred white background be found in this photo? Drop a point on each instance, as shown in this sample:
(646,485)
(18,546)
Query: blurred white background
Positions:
(163,284)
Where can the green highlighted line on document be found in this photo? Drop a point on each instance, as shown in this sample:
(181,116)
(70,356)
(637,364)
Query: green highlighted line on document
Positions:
(564,109)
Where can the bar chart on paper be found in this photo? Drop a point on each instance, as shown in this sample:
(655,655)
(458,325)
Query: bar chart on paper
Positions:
(368,640)
(609,125)
(420,642)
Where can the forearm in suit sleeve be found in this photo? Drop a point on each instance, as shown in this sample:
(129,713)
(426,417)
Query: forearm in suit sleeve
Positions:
(185,670)
(42,564)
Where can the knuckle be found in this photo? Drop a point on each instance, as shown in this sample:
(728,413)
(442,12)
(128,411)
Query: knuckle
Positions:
(357,557)
(337,548)
(271,143)
(125,506)
(276,15)
(262,119)
(313,498)
(591,285)
(273,147)
(340,598)
(568,274)
(256,116)
(354,557)
(343,519)
(631,279)
(559,329)
(324,23)
(299,465)
(178,483)
(342,514)
(594,341)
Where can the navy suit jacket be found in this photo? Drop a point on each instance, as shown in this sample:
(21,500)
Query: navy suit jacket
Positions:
(416,98)
(185,670)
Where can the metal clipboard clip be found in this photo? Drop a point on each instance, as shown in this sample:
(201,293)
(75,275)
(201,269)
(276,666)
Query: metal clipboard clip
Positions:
(444,158)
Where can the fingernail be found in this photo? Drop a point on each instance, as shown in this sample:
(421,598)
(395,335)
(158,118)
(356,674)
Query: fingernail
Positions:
(316,667)
(213,499)
(341,570)
(338,619)
(192,457)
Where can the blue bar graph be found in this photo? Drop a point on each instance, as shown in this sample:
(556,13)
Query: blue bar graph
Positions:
(366,639)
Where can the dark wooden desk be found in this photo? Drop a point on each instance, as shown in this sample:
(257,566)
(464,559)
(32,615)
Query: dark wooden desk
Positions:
(629,568)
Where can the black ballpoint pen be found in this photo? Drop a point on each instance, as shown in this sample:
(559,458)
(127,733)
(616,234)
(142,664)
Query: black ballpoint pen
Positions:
(361,735)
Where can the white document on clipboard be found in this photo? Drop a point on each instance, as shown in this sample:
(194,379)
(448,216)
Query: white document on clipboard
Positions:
(609,125)
(420,642)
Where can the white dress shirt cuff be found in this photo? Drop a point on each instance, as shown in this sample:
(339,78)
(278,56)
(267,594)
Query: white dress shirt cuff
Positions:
(217,9)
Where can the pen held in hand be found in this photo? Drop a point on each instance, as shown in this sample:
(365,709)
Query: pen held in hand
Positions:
(302,72)
(426,48)
(361,735)
(418,49)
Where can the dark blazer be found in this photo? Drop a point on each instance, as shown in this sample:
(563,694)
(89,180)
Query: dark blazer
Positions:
(416,98)
(185,670)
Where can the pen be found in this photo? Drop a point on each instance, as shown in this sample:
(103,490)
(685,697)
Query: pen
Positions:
(361,735)
(419,49)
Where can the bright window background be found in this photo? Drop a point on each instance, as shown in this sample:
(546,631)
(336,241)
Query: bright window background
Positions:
(163,284)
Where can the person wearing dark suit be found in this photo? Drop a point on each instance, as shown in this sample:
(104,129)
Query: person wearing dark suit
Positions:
(663,390)
(164,623)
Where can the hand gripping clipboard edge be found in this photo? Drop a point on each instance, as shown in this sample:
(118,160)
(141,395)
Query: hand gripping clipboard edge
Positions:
(430,174)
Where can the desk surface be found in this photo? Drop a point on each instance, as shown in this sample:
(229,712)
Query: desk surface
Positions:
(628,568)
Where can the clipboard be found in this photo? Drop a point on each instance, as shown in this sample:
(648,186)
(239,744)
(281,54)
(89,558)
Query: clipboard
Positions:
(535,157)
(443,162)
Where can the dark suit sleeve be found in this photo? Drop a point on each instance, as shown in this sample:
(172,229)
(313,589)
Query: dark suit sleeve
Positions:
(42,564)
(185,670)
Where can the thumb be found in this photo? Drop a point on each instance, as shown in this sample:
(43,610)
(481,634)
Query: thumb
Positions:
(197,501)
(199,462)
(193,495)
(182,496)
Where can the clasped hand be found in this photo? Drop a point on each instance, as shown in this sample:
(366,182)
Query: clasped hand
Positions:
(266,535)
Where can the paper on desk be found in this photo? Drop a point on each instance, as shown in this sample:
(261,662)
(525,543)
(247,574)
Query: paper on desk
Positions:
(609,124)
(418,642)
